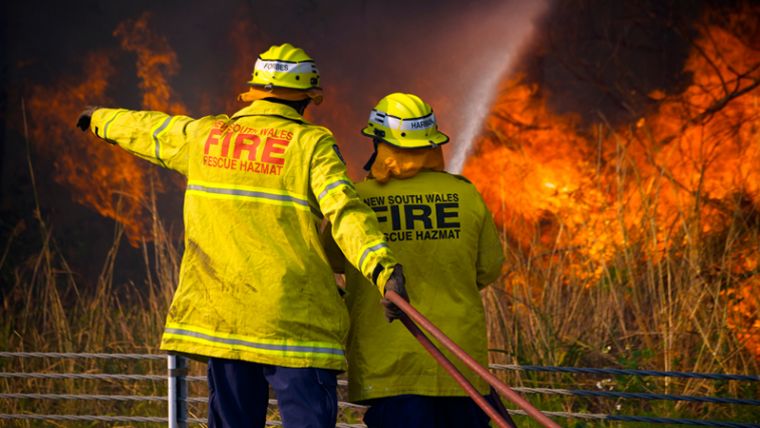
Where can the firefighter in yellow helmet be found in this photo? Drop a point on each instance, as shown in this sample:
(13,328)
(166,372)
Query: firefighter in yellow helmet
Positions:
(256,295)
(441,231)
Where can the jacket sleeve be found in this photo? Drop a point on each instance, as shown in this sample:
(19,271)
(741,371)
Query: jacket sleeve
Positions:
(154,136)
(334,254)
(354,226)
(490,253)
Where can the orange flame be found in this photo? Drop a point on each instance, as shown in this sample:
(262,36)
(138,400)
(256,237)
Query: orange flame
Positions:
(156,61)
(543,179)
(586,194)
(576,193)
(104,177)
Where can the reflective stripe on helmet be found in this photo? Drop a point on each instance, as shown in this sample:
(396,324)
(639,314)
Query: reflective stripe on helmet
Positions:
(392,122)
(251,344)
(288,67)
(275,66)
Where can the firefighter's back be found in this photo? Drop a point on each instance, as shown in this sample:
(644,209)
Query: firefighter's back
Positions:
(434,224)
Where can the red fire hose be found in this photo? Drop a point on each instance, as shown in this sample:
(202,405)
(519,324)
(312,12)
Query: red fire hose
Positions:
(470,362)
(456,374)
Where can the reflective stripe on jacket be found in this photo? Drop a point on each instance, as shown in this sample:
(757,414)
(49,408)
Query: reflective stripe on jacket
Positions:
(254,282)
(442,233)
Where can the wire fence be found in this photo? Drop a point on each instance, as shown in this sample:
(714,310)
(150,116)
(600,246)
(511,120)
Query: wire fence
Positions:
(176,399)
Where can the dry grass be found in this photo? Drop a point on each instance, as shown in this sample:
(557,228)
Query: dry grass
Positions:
(666,310)
(47,310)
(667,313)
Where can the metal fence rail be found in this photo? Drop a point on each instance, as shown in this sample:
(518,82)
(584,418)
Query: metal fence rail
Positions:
(177,398)
(638,395)
(625,372)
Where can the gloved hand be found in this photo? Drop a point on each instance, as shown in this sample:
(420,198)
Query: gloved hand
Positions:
(83,121)
(397,283)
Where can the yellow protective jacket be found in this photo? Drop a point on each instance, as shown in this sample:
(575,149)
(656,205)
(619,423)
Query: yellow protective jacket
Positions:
(441,231)
(255,283)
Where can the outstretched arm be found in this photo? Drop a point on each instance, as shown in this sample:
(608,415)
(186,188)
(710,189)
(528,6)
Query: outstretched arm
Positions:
(154,136)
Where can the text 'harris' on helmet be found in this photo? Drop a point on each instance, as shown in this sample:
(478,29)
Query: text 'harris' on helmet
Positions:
(404,121)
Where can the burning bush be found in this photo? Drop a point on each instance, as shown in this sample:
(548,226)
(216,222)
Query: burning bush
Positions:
(647,191)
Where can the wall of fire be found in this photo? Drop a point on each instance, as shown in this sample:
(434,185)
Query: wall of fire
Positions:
(603,115)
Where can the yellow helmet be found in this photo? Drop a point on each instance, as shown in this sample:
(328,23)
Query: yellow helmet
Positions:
(404,121)
(286,72)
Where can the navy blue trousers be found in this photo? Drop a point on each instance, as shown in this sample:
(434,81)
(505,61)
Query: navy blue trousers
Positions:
(239,394)
(418,411)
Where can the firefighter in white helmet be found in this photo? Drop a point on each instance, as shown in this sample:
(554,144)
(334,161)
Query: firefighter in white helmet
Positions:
(256,295)
(441,231)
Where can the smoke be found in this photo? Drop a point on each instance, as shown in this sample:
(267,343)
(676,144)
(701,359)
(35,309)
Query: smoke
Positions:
(601,60)
(195,57)
(448,54)
(490,69)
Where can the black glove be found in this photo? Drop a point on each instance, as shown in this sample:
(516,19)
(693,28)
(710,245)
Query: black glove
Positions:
(83,122)
(397,283)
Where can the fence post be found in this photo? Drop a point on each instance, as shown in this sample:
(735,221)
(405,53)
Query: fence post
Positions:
(177,391)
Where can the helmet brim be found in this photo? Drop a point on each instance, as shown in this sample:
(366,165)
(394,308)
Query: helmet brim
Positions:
(437,139)
(257,92)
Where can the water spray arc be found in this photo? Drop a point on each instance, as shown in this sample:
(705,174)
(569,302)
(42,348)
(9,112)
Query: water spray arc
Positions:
(477,102)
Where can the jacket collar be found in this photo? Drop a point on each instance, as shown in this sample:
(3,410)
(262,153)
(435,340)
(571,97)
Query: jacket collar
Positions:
(268,108)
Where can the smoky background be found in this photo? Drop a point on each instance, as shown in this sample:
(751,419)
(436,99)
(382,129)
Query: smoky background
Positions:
(201,55)
(592,58)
